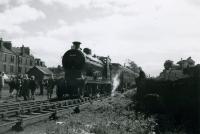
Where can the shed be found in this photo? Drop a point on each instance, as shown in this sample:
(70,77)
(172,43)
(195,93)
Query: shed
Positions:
(40,73)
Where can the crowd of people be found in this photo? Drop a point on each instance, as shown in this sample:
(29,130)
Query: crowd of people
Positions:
(24,86)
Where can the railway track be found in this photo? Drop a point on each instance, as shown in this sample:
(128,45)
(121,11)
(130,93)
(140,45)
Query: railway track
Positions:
(15,116)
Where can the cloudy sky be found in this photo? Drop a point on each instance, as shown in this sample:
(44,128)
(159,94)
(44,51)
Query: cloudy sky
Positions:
(145,31)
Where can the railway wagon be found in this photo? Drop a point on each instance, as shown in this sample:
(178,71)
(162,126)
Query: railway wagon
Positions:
(85,74)
(125,76)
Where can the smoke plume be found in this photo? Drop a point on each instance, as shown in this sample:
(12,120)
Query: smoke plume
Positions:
(116,82)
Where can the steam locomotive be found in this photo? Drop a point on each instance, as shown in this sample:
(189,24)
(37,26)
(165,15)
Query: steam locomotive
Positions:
(89,75)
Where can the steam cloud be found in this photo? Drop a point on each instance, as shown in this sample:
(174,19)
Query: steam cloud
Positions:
(116,82)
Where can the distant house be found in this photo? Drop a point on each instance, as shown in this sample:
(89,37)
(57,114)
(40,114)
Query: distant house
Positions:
(8,59)
(25,60)
(189,62)
(38,62)
(176,71)
(40,72)
(16,60)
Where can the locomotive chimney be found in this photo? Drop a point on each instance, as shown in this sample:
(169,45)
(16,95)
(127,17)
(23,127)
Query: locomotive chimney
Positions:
(87,51)
(76,45)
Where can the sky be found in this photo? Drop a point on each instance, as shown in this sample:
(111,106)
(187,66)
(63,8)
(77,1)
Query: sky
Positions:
(147,32)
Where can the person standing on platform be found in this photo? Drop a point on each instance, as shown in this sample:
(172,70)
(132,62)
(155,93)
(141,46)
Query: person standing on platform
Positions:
(18,86)
(25,88)
(12,86)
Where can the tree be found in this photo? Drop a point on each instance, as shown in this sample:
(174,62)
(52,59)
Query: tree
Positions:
(133,66)
(168,64)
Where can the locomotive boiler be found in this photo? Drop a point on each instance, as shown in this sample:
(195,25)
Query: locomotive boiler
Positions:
(85,74)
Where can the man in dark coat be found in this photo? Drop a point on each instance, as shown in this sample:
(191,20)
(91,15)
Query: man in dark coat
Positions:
(25,88)
(32,86)
(18,87)
(12,86)
(42,84)
(50,87)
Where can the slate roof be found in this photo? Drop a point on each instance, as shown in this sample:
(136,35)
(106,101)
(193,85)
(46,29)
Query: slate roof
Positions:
(16,50)
(44,70)
(4,49)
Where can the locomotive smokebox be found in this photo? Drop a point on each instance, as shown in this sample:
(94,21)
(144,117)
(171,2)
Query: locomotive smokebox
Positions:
(74,58)
(76,44)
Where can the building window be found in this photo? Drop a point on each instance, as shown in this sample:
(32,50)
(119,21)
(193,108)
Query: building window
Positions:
(20,60)
(12,59)
(5,57)
(11,68)
(4,68)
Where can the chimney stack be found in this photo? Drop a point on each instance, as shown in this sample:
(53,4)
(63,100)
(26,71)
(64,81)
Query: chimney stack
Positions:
(76,45)
(8,45)
(22,50)
(27,50)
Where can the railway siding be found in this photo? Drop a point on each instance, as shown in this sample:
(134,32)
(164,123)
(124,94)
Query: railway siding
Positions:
(18,115)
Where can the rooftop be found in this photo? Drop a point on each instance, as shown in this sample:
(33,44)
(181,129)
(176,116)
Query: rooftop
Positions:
(44,70)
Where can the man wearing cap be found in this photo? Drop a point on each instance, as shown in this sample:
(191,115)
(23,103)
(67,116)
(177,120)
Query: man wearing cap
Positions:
(1,83)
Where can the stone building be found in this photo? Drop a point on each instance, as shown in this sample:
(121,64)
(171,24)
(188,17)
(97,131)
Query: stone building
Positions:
(15,60)
(40,73)
(25,60)
(8,59)
(39,62)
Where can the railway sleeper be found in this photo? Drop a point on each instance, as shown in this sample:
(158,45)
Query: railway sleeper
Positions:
(43,112)
(65,107)
(50,110)
(24,116)
(9,119)
(10,113)
(9,109)
(34,113)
